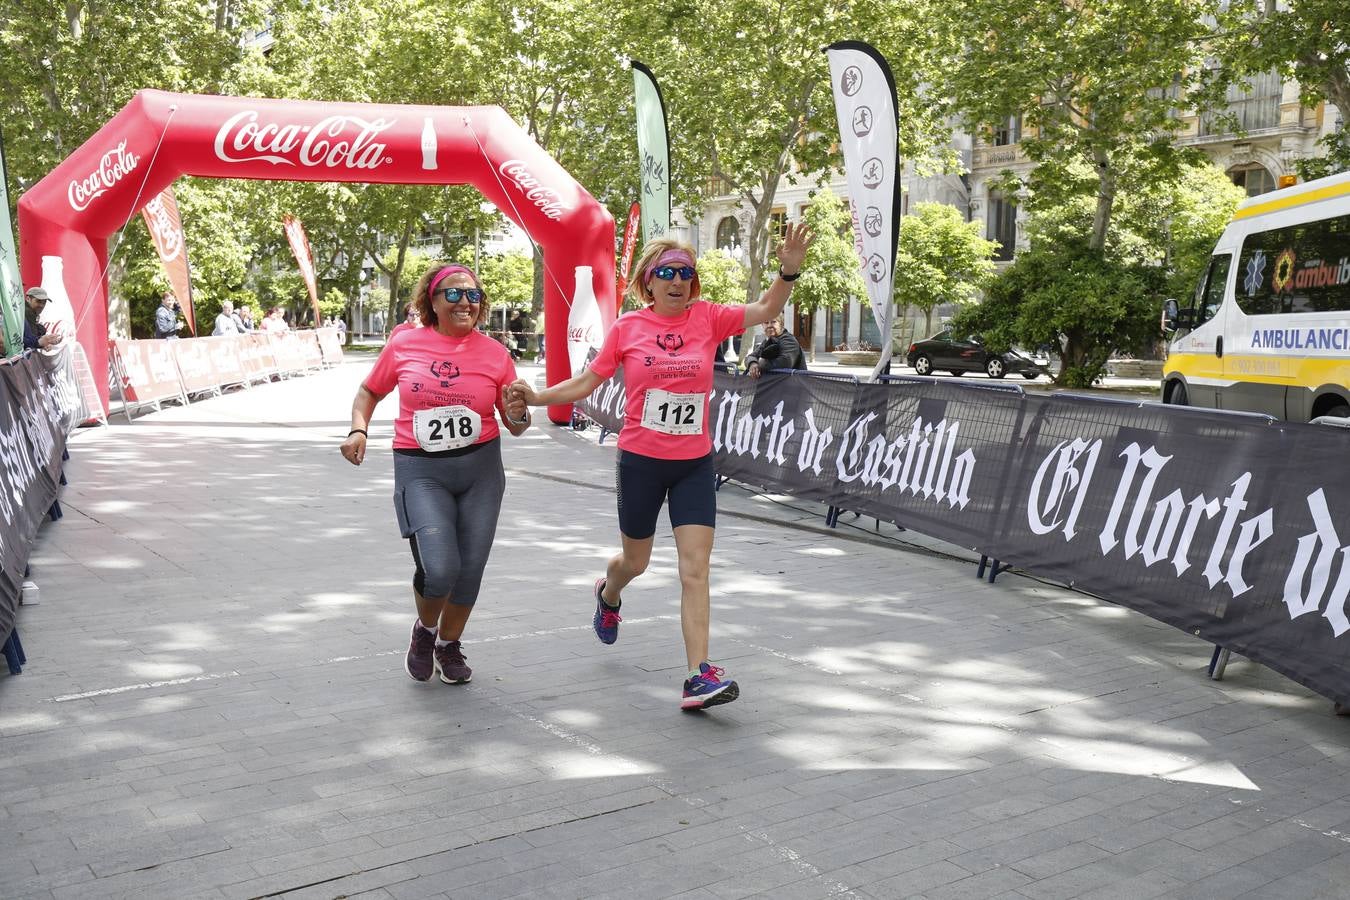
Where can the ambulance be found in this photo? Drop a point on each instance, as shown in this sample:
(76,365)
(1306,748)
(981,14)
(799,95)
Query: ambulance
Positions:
(1268,329)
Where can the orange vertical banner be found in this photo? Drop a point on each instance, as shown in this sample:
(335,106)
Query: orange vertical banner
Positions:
(630,234)
(295,233)
(166,231)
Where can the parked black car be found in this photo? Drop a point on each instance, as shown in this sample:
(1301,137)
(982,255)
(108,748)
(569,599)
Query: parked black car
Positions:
(943,352)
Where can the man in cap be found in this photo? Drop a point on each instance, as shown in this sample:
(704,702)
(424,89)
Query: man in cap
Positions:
(49,329)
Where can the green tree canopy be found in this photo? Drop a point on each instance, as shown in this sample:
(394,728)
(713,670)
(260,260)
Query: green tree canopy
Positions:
(1096,84)
(721,278)
(831,274)
(942,259)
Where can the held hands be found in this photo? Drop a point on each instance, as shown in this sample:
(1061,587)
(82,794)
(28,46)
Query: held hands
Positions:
(797,239)
(354,448)
(753,370)
(520,392)
(513,403)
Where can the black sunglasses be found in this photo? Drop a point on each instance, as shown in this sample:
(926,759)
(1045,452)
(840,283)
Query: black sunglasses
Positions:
(668,273)
(453,295)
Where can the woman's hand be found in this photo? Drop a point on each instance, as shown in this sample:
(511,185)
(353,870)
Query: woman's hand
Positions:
(520,392)
(797,240)
(515,408)
(354,448)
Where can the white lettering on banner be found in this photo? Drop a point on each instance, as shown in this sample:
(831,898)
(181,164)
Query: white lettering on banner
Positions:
(1316,572)
(168,239)
(546,199)
(335,142)
(112,168)
(920,463)
(1171,524)
(1068,481)
(159,356)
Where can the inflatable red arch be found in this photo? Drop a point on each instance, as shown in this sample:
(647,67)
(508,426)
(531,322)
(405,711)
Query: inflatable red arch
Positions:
(65,219)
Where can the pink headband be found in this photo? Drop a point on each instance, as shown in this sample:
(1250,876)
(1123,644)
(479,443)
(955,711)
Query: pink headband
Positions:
(446,273)
(669,258)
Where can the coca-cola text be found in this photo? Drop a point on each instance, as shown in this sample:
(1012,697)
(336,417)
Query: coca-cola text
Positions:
(346,142)
(112,168)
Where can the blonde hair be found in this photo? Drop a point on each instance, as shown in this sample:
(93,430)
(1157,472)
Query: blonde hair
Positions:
(421,302)
(637,288)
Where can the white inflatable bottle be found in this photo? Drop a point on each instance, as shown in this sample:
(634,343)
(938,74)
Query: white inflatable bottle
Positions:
(585,328)
(59,309)
(428,144)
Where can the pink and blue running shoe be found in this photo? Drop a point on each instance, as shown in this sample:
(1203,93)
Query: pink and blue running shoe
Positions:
(606,619)
(708,689)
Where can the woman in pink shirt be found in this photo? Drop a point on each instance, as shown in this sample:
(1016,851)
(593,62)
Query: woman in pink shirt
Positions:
(448,476)
(665,451)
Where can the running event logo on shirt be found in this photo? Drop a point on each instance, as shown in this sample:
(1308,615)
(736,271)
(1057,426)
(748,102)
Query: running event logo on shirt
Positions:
(445,372)
(671,343)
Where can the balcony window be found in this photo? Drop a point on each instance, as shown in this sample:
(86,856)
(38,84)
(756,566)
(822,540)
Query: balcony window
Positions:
(1254,179)
(1009,131)
(728,234)
(1002,226)
(1253,103)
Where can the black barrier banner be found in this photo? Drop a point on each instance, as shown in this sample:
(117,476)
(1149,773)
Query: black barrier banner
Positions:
(32,438)
(1220,524)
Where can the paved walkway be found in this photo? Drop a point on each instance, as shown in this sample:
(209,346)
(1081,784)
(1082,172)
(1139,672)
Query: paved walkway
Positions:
(215,705)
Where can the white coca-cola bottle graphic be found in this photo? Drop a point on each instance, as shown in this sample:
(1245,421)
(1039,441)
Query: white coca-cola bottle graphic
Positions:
(584,326)
(58,311)
(428,144)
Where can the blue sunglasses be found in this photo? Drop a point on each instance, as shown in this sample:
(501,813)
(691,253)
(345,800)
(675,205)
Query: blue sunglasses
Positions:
(668,273)
(452,295)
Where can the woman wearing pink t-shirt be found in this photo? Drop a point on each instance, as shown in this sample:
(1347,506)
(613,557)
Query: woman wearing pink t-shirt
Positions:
(448,476)
(665,452)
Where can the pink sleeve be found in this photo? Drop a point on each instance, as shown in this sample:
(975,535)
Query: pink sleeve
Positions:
(383,378)
(606,363)
(727,320)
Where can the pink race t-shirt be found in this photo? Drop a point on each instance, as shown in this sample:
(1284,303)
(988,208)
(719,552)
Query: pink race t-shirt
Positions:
(674,355)
(432,370)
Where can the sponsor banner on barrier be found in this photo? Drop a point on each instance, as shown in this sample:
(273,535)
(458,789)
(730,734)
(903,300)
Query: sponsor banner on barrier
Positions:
(147,370)
(255,353)
(330,345)
(1230,528)
(311,354)
(286,348)
(194,365)
(225,358)
(32,438)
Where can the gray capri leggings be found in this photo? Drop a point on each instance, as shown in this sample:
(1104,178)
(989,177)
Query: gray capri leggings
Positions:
(447,505)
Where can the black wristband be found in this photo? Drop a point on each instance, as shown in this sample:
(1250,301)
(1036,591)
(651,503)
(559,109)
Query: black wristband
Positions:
(360,431)
(783,275)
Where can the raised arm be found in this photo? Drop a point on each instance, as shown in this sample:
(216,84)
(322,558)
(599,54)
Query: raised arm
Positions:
(796,241)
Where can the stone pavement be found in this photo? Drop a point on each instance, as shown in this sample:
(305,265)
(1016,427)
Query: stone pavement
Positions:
(215,706)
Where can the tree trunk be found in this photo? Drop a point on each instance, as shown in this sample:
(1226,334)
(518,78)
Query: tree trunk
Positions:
(1106,197)
(396,276)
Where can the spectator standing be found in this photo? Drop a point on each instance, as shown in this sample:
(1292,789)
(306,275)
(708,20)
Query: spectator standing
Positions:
(276,321)
(226,321)
(46,329)
(245,316)
(167,324)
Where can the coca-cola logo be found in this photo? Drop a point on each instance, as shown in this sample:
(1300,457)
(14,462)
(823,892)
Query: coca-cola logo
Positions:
(112,168)
(581,334)
(546,199)
(337,142)
(167,235)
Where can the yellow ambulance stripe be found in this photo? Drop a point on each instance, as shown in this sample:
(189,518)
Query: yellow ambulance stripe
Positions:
(1324,193)
(1294,371)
